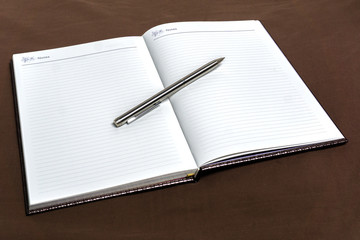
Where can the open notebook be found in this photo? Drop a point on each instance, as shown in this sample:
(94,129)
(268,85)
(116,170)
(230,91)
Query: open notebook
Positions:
(254,105)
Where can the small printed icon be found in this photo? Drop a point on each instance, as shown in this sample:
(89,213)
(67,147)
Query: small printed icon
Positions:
(156,33)
(27,59)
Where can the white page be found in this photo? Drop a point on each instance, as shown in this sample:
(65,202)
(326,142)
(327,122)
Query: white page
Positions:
(68,99)
(253,101)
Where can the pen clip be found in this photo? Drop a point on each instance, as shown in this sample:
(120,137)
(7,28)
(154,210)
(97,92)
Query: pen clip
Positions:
(134,118)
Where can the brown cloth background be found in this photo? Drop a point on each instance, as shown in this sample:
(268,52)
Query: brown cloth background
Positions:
(312,195)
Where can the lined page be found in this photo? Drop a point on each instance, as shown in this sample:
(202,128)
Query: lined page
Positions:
(253,101)
(68,99)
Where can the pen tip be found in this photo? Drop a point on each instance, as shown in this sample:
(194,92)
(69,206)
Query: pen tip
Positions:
(220,59)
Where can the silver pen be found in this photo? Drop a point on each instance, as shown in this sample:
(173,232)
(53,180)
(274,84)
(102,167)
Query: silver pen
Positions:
(154,101)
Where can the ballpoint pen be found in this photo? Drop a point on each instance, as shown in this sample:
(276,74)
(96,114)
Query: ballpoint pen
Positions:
(154,101)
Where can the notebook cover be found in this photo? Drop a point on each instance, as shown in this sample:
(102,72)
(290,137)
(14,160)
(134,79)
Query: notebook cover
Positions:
(224,163)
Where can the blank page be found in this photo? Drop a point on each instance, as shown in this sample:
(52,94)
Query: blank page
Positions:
(253,101)
(68,99)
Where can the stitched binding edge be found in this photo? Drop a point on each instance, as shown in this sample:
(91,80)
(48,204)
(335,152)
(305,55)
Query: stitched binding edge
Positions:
(275,153)
(115,194)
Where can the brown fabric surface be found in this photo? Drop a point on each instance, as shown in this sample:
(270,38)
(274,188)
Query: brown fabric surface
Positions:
(312,195)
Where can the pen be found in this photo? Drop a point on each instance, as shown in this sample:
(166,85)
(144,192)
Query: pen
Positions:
(154,101)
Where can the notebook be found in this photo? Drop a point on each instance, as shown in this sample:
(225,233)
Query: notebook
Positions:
(253,106)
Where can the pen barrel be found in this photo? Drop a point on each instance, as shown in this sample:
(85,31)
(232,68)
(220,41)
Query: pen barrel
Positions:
(188,79)
(150,103)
